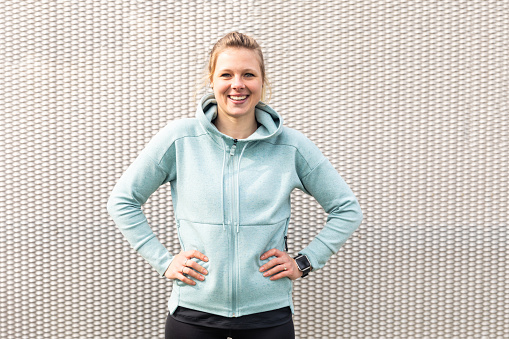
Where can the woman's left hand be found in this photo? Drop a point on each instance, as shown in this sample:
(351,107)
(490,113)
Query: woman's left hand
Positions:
(281,266)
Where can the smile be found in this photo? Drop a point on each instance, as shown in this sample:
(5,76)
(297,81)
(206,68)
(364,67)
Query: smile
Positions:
(239,98)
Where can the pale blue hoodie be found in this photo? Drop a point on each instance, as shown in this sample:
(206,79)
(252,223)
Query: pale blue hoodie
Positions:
(232,203)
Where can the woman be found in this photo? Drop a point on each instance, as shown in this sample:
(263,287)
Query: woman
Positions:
(232,170)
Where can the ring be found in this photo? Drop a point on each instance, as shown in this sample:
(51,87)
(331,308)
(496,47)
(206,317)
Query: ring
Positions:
(183,269)
(185,262)
(284,267)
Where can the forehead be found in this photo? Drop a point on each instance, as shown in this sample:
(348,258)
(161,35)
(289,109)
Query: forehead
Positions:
(238,58)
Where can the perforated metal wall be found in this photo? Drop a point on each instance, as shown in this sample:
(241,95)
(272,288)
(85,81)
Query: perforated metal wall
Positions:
(408,99)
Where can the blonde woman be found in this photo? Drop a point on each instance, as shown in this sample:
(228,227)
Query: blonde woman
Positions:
(232,169)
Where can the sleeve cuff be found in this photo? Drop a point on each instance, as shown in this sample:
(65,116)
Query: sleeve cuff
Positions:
(164,264)
(317,253)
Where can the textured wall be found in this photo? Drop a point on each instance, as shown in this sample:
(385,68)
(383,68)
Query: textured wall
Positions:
(408,99)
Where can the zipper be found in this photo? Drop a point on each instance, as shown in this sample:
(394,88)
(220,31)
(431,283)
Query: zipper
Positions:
(234,146)
(180,238)
(286,234)
(233,204)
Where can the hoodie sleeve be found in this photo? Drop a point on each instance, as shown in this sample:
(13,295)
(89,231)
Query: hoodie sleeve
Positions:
(324,183)
(154,166)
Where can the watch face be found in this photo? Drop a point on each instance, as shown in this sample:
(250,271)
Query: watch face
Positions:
(302,262)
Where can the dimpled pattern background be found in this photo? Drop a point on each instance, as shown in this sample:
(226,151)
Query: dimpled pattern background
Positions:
(408,99)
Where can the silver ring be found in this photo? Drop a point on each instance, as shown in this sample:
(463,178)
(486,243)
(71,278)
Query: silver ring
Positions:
(185,262)
(183,269)
(284,267)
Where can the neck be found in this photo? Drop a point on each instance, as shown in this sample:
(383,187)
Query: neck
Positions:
(236,128)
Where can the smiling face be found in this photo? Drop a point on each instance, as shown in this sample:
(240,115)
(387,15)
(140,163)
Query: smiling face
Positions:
(237,82)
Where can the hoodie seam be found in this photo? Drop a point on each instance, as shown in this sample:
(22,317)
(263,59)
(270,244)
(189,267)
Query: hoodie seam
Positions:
(158,162)
(213,139)
(321,161)
(298,151)
(244,225)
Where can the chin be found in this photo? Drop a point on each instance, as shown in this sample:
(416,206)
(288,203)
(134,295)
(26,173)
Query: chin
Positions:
(238,114)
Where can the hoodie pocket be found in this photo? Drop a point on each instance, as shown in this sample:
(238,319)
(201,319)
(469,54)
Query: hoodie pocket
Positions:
(255,290)
(212,241)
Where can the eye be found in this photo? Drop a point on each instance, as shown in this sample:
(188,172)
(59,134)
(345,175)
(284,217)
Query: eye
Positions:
(224,75)
(250,75)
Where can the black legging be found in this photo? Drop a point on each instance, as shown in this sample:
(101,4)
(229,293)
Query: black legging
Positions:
(178,330)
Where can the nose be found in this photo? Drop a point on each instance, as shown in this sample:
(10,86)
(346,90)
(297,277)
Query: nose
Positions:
(238,83)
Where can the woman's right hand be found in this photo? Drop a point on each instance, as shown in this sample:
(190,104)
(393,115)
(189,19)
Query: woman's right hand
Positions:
(183,265)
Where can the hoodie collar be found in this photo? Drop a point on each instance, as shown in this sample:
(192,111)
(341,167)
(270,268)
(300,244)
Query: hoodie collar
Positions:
(271,122)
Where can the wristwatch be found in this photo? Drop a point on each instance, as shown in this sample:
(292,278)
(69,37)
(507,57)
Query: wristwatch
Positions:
(303,264)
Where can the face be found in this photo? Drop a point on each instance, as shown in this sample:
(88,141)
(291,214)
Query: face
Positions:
(237,82)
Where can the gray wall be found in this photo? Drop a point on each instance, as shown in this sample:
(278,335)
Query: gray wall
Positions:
(408,99)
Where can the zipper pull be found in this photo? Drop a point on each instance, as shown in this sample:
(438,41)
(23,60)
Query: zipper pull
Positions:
(234,146)
(286,243)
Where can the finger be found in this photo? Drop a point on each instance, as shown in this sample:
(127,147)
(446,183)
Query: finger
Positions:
(196,254)
(270,253)
(276,269)
(184,279)
(197,267)
(272,263)
(280,275)
(189,271)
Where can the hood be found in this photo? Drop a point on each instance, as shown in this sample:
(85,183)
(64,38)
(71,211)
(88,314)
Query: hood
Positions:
(271,122)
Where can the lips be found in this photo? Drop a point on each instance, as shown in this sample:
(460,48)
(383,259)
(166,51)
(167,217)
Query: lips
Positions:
(238,98)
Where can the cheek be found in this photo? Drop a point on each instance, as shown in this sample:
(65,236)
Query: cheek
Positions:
(259,86)
(218,92)
(220,89)
(258,90)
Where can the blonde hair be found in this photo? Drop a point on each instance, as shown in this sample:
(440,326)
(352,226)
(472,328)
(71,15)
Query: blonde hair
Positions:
(236,40)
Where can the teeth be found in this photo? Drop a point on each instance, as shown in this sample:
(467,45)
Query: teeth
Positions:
(238,98)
